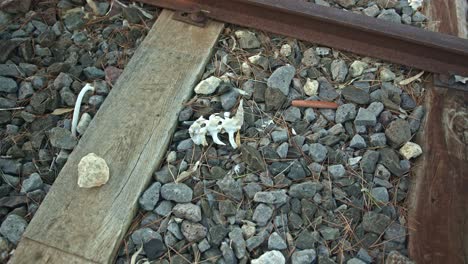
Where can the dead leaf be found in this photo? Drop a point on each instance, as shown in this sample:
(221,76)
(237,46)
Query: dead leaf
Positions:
(238,141)
(411,79)
(93,6)
(61,111)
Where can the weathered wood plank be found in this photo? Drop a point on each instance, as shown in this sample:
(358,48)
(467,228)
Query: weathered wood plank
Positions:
(131,132)
(34,252)
(438,207)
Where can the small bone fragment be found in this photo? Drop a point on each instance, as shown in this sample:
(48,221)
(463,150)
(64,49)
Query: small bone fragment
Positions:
(197,131)
(215,125)
(92,171)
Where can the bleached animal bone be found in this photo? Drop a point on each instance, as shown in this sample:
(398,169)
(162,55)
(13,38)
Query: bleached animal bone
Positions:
(198,131)
(215,125)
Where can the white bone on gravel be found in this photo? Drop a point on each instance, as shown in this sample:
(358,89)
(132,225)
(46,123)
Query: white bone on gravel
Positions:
(215,125)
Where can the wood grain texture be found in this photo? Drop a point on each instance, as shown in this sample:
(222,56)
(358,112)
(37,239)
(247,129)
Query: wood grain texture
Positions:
(34,252)
(438,214)
(131,132)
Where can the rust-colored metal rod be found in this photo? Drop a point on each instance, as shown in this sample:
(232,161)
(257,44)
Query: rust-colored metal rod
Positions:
(314,104)
(402,44)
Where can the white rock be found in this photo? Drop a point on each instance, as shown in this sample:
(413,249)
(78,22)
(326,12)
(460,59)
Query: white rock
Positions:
(208,86)
(311,87)
(410,150)
(246,69)
(357,68)
(83,123)
(322,51)
(415,4)
(286,50)
(92,171)
(270,257)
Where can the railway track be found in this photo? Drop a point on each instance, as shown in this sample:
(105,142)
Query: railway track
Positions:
(68,238)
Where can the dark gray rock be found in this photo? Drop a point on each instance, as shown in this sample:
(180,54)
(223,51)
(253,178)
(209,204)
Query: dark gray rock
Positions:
(355,261)
(336,171)
(281,78)
(371,11)
(271,197)
(305,190)
(355,95)
(279,136)
(74,21)
(276,242)
(177,192)
(306,256)
(346,3)
(164,208)
(375,223)
(228,254)
(390,15)
(358,142)
(253,158)
(262,214)
(296,171)
(378,140)
(9,70)
(376,108)
(326,91)
(346,112)
(415,117)
(389,158)
(144,235)
(418,17)
(8,85)
(274,99)
(13,227)
(380,194)
(395,232)
(230,187)
(7,103)
(62,80)
(339,70)
(365,118)
(96,101)
(407,102)
(307,239)
(238,243)
(292,114)
(282,150)
(68,97)
(154,249)
(369,161)
(318,152)
(93,73)
(62,138)
(268,257)
(25,91)
(229,99)
(309,115)
(398,133)
(33,182)
(166,174)
(329,233)
(217,234)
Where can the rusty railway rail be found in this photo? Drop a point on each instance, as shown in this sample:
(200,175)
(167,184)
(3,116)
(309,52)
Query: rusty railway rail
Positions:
(402,44)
